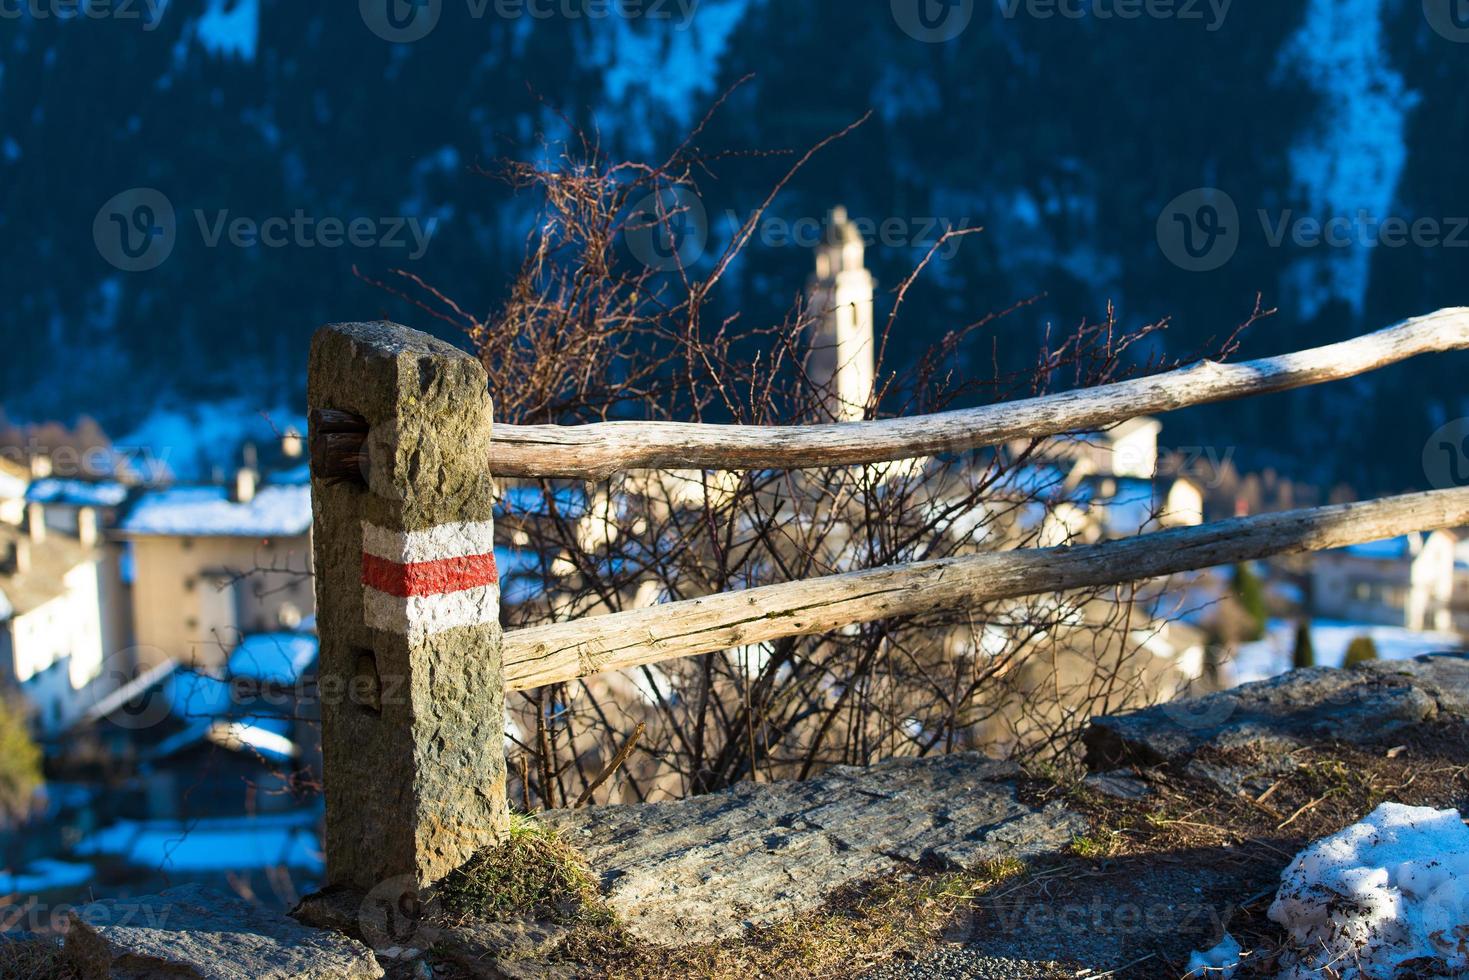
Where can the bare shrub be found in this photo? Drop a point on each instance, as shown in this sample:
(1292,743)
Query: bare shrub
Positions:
(590,334)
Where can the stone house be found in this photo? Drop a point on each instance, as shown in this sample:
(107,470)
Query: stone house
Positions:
(1405,581)
(210,564)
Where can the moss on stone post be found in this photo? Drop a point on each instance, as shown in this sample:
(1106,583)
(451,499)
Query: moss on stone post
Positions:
(412,697)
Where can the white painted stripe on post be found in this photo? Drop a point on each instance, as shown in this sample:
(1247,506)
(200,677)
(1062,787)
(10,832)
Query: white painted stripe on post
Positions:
(454,540)
(421,616)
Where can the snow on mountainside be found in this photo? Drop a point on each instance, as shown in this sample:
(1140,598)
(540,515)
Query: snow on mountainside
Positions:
(1063,137)
(1351,158)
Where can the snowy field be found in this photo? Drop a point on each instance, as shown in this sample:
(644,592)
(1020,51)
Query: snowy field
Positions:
(1271,656)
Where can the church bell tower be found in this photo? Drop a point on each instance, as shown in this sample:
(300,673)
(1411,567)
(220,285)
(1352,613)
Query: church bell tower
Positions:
(840,350)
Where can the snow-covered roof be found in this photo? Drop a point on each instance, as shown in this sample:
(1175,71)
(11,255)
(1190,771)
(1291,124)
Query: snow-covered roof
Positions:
(1390,549)
(46,874)
(269,737)
(265,737)
(193,696)
(275,511)
(1406,546)
(192,442)
(77,493)
(212,844)
(275,658)
(521,575)
(47,577)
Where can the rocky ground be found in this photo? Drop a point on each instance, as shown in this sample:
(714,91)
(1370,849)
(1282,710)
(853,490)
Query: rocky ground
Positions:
(954,868)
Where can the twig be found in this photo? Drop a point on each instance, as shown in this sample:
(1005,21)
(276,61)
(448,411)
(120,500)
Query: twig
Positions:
(1292,818)
(612,767)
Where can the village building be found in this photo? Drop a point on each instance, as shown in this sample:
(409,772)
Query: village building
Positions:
(841,357)
(211,564)
(65,501)
(14,481)
(1405,581)
(55,633)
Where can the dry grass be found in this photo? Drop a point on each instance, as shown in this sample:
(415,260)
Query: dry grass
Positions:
(859,929)
(38,959)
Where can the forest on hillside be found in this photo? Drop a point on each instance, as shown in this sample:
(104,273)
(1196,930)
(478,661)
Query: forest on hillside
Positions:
(1068,139)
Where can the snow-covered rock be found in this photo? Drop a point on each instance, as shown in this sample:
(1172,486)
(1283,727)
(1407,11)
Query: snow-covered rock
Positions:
(1382,892)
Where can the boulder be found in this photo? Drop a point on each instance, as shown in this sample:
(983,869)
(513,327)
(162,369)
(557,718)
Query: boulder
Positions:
(194,932)
(705,868)
(1305,707)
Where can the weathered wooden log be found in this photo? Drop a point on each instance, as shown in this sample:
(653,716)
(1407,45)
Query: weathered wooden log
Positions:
(594,452)
(339,446)
(562,652)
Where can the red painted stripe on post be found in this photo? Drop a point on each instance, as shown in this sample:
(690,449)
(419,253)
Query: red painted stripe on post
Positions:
(429,577)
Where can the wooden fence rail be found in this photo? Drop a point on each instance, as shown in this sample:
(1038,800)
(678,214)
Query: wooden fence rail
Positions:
(598,450)
(560,652)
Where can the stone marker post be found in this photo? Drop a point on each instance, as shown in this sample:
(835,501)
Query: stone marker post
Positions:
(407,598)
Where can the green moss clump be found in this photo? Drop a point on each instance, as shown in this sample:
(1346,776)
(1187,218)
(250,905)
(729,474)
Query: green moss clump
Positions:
(534,874)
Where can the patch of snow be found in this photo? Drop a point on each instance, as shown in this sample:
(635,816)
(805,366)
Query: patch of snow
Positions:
(1219,963)
(1273,655)
(521,577)
(653,685)
(661,67)
(1382,892)
(12,487)
(1352,156)
(295,476)
(522,501)
(1391,549)
(230,28)
(193,443)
